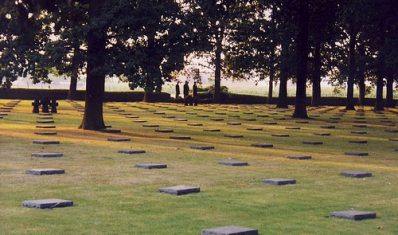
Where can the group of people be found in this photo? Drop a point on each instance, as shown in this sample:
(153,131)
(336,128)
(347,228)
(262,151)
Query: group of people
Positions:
(189,98)
(46,104)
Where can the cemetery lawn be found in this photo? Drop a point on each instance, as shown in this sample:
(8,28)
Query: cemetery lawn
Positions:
(111,196)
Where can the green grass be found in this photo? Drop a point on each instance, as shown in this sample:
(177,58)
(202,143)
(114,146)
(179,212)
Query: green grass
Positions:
(113,197)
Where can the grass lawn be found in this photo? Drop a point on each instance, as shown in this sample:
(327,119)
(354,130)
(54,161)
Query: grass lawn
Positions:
(111,196)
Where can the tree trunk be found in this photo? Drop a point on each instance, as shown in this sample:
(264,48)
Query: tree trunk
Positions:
(379,106)
(217,74)
(316,76)
(361,75)
(270,85)
(95,84)
(271,78)
(300,110)
(282,99)
(390,91)
(351,76)
(73,84)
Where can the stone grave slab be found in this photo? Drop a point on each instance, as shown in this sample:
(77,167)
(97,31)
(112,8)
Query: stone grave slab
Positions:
(221,113)
(270,123)
(358,141)
(302,122)
(181,119)
(328,127)
(118,139)
(360,126)
(356,154)
(45,171)
(180,190)
(131,151)
(300,157)
(139,121)
(293,128)
(133,116)
(151,165)
(46,133)
(249,119)
(359,132)
(212,130)
(353,215)
(234,123)
(312,142)
(233,163)
(108,130)
(356,174)
(195,124)
(150,125)
(247,112)
(169,116)
(322,133)
(45,142)
(164,130)
(47,203)
(233,136)
(47,155)
(230,230)
(279,181)
(203,115)
(254,129)
(217,119)
(202,147)
(262,145)
(159,113)
(46,126)
(262,115)
(280,135)
(180,137)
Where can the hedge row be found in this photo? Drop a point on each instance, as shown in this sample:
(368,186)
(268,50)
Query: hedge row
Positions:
(30,94)
(134,96)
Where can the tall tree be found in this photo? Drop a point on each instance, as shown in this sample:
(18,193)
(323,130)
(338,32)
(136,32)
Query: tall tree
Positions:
(300,110)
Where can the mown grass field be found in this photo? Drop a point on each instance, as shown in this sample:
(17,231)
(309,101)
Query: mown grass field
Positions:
(111,196)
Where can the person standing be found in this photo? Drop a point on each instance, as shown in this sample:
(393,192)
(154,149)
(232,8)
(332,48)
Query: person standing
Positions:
(186,92)
(195,94)
(178,90)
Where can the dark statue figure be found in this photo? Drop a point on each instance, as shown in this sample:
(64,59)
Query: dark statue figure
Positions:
(178,90)
(53,105)
(36,106)
(45,102)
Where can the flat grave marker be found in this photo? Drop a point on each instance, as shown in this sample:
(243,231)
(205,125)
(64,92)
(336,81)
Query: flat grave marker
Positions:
(150,125)
(131,151)
(233,163)
(279,181)
(353,215)
(356,154)
(180,190)
(164,130)
(47,155)
(312,142)
(45,133)
(262,145)
(118,139)
(45,171)
(202,147)
(233,135)
(180,137)
(230,230)
(45,142)
(151,165)
(356,174)
(47,203)
(300,157)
